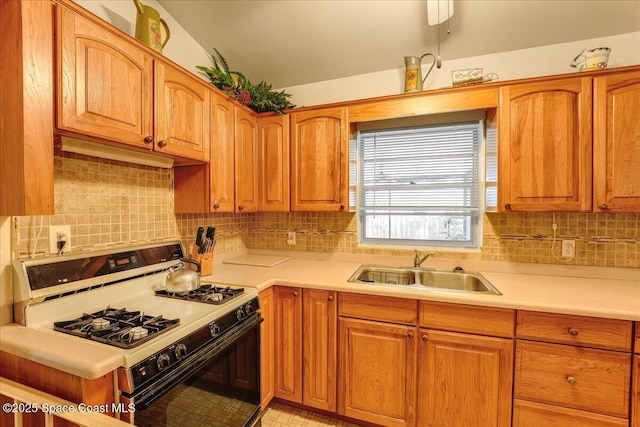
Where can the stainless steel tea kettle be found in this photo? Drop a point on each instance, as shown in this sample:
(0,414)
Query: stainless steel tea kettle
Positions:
(182,279)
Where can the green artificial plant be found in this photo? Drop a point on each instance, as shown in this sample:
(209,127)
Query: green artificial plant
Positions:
(260,98)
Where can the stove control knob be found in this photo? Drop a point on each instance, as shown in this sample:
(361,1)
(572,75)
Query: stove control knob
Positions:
(181,351)
(142,371)
(240,314)
(163,361)
(214,329)
(248,308)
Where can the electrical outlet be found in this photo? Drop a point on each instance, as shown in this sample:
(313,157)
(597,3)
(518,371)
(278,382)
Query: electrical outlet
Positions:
(291,237)
(59,239)
(568,248)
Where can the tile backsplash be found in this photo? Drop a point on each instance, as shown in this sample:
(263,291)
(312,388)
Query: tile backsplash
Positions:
(109,203)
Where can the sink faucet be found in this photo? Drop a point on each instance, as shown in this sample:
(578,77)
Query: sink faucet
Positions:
(417,260)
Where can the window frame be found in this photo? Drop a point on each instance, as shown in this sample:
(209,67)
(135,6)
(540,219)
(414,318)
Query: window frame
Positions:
(476,214)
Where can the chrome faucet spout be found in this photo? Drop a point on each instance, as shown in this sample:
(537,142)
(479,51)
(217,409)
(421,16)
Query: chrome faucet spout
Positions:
(418,260)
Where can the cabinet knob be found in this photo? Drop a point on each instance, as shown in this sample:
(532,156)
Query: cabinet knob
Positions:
(148,140)
(330,298)
(507,206)
(341,207)
(573,332)
(425,338)
(603,206)
(410,335)
(162,143)
(571,380)
(240,207)
(295,293)
(216,206)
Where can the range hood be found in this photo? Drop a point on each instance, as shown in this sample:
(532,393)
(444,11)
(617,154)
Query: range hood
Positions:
(105,151)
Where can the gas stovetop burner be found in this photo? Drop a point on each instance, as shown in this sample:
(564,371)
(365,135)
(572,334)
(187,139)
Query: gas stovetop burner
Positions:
(118,327)
(209,294)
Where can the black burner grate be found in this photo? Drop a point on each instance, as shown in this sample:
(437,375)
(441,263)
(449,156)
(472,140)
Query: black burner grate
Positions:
(209,294)
(116,327)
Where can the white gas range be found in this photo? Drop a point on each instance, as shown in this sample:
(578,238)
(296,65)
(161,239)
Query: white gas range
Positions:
(168,341)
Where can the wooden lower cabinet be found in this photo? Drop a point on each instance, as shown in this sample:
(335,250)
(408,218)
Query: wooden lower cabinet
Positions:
(635,399)
(267,363)
(377,371)
(319,349)
(464,380)
(305,346)
(287,304)
(532,414)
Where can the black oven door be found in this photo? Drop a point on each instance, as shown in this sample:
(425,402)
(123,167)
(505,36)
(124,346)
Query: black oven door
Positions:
(218,386)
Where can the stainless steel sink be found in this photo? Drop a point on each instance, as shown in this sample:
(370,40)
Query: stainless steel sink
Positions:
(420,278)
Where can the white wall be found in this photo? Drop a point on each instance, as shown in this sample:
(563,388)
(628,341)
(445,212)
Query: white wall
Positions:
(540,61)
(181,47)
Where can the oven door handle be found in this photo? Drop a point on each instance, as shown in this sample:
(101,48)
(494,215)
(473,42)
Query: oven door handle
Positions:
(192,364)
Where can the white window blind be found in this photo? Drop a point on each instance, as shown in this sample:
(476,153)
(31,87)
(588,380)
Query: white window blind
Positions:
(420,185)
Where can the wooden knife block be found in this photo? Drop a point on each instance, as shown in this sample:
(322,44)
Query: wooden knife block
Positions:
(206,263)
(205,260)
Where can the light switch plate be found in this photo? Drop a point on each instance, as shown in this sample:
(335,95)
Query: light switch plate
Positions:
(59,233)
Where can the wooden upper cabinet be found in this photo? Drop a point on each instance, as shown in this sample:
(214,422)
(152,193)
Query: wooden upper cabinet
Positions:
(105,83)
(319,160)
(222,166)
(246,153)
(182,125)
(26,105)
(273,160)
(616,143)
(544,149)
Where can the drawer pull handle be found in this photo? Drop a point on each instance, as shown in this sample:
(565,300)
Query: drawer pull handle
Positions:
(573,332)
(571,380)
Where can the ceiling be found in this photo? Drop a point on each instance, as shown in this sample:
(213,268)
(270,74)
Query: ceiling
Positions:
(293,42)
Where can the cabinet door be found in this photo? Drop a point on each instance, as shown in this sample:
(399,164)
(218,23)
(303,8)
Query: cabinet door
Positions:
(319,160)
(464,380)
(104,85)
(616,144)
(267,364)
(635,397)
(222,165)
(377,372)
(544,148)
(182,116)
(288,342)
(273,133)
(319,331)
(246,146)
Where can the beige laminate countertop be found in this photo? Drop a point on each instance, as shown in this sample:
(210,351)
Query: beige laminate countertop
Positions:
(617,298)
(83,359)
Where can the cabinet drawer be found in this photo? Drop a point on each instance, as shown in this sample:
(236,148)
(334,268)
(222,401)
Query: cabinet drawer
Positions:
(467,318)
(531,414)
(575,330)
(579,378)
(374,307)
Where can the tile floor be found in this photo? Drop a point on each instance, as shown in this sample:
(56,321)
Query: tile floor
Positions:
(279,415)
